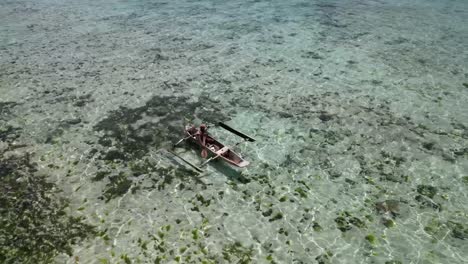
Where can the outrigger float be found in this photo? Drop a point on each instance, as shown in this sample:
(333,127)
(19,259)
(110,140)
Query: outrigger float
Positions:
(213,149)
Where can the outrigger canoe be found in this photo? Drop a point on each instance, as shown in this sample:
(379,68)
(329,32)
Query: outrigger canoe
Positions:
(216,148)
(212,147)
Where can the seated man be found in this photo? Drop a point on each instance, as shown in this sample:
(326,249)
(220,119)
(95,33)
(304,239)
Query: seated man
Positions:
(198,133)
(202,134)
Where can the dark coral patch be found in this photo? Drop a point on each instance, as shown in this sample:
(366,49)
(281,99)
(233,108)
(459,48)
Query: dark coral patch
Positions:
(160,121)
(5,109)
(9,133)
(34,225)
(118,186)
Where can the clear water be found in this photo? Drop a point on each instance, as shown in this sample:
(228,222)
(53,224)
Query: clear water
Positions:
(359,109)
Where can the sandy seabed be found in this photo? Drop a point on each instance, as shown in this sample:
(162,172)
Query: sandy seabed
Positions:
(359,108)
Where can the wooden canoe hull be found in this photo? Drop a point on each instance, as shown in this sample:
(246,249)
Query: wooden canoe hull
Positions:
(213,145)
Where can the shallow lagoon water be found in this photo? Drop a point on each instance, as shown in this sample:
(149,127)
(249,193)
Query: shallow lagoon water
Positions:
(359,109)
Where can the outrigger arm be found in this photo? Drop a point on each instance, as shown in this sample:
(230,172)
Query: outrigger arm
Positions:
(186,161)
(180,141)
(234,131)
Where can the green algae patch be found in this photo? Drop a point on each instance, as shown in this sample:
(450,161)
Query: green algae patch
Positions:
(170,244)
(5,107)
(34,225)
(267,213)
(426,202)
(345,222)
(284,232)
(371,239)
(459,230)
(141,167)
(202,200)
(103,261)
(277,216)
(301,192)
(237,253)
(269,258)
(126,179)
(393,262)
(317,227)
(126,259)
(9,133)
(324,258)
(465,180)
(388,223)
(100,175)
(427,190)
(195,234)
(118,186)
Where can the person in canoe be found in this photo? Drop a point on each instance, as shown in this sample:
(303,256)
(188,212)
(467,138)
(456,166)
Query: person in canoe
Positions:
(201,134)
(202,138)
(210,145)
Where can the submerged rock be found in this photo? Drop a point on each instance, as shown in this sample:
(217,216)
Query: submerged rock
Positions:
(391,207)
(72,121)
(325,117)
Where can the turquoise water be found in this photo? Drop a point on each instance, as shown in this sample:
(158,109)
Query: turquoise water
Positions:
(359,110)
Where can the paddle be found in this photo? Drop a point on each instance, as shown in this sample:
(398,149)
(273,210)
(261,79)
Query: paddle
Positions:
(180,141)
(218,154)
